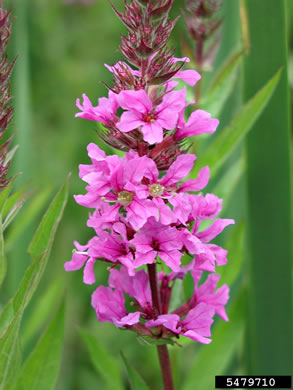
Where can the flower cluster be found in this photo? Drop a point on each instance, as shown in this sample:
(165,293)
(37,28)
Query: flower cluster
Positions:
(152,120)
(141,218)
(6,110)
(152,227)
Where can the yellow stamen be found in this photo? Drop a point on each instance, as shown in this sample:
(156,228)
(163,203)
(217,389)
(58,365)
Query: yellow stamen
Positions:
(125,198)
(156,190)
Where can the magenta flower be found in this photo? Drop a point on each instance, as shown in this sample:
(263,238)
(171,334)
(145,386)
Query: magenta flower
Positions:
(189,76)
(105,112)
(199,122)
(79,259)
(109,306)
(136,286)
(196,325)
(208,294)
(141,113)
(156,239)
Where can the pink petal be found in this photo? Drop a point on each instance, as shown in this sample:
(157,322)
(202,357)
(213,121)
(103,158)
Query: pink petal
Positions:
(129,121)
(170,321)
(199,183)
(88,272)
(76,262)
(166,215)
(137,101)
(172,259)
(214,229)
(152,133)
(174,101)
(197,337)
(181,207)
(189,76)
(95,152)
(167,119)
(178,170)
(144,258)
(130,319)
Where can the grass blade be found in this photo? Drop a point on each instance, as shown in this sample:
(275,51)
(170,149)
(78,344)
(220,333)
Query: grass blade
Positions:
(269,196)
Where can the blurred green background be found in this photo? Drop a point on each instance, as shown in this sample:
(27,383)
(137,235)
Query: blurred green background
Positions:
(61,49)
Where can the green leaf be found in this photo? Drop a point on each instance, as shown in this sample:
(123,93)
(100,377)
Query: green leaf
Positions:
(5,193)
(222,86)
(45,233)
(40,370)
(3,262)
(226,142)
(9,353)
(35,271)
(225,187)
(15,198)
(15,307)
(235,247)
(12,214)
(213,359)
(147,340)
(104,363)
(26,217)
(42,310)
(6,317)
(136,381)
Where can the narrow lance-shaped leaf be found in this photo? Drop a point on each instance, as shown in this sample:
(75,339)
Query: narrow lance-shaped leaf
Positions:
(17,196)
(35,271)
(42,310)
(12,214)
(40,370)
(45,233)
(104,363)
(9,353)
(29,212)
(136,381)
(224,144)
(222,86)
(4,194)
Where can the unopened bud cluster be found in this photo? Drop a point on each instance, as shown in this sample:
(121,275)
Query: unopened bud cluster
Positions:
(203,23)
(146,217)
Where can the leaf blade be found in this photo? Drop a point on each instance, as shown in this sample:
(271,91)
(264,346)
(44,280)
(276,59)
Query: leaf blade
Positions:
(224,144)
(136,381)
(40,370)
(45,233)
(106,366)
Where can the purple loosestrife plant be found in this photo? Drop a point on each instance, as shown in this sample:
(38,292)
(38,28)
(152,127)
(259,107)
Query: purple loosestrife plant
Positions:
(151,226)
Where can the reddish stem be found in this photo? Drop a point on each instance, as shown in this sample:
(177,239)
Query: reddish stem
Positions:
(162,349)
